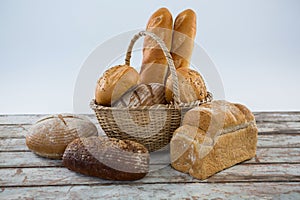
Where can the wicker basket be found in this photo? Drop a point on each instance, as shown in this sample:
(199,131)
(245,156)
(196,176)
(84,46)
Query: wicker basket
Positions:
(151,126)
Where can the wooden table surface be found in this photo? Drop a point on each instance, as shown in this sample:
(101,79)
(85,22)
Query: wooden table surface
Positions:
(274,173)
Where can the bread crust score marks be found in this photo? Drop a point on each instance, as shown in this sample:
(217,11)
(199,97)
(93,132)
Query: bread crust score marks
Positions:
(49,136)
(142,95)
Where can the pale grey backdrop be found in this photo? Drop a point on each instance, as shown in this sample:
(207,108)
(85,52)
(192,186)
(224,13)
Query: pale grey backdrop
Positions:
(255,45)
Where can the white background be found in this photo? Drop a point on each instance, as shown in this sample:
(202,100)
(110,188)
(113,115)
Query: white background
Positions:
(255,45)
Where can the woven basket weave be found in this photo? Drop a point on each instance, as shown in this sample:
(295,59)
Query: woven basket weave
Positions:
(151,126)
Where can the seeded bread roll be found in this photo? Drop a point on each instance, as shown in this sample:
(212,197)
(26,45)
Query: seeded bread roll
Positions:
(142,95)
(107,158)
(49,136)
(114,83)
(154,65)
(214,136)
(191,86)
(183,38)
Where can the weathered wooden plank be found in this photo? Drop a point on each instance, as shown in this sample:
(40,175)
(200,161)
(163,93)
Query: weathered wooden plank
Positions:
(278,127)
(276,155)
(29,159)
(277,116)
(277,141)
(62,176)
(26,159)
(264,156)
(13,144)
(20,130)
(160,191)
(260,117)
(14,131)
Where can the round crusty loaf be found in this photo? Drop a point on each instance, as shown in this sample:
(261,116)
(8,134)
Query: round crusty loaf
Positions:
(142,95)
(191,86)
(107,158)
(114,83)
(49,136)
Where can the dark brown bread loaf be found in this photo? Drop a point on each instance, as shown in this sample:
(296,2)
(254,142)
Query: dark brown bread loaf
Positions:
(142,95)
(107,158)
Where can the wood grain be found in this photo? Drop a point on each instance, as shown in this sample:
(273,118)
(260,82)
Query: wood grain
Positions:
(159,191)
(63,176)
(264,156)
(273,173)
(260,117)
(271,141)
(13,131)
(20,130)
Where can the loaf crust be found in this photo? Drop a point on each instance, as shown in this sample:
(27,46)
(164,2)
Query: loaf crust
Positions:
(154,67)
(142,95)
(216,115)
(107,158)
(114,83)
(232,141)
(49,136)
(191,86)
(184,32)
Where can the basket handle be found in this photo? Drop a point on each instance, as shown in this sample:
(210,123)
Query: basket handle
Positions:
(167,54)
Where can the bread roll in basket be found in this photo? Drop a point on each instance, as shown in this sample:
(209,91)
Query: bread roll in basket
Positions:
(151,126)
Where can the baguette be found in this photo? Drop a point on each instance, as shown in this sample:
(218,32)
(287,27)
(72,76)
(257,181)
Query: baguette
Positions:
(184,32)
(154,67)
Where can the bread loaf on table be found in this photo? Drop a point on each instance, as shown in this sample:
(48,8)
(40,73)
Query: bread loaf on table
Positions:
(142,95)
(154,64)
(49,136)
(184,32)
(214,136)
(107,158)
(114,83)
(191,86)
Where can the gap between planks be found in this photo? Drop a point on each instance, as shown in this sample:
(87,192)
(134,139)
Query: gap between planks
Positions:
(134,183)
